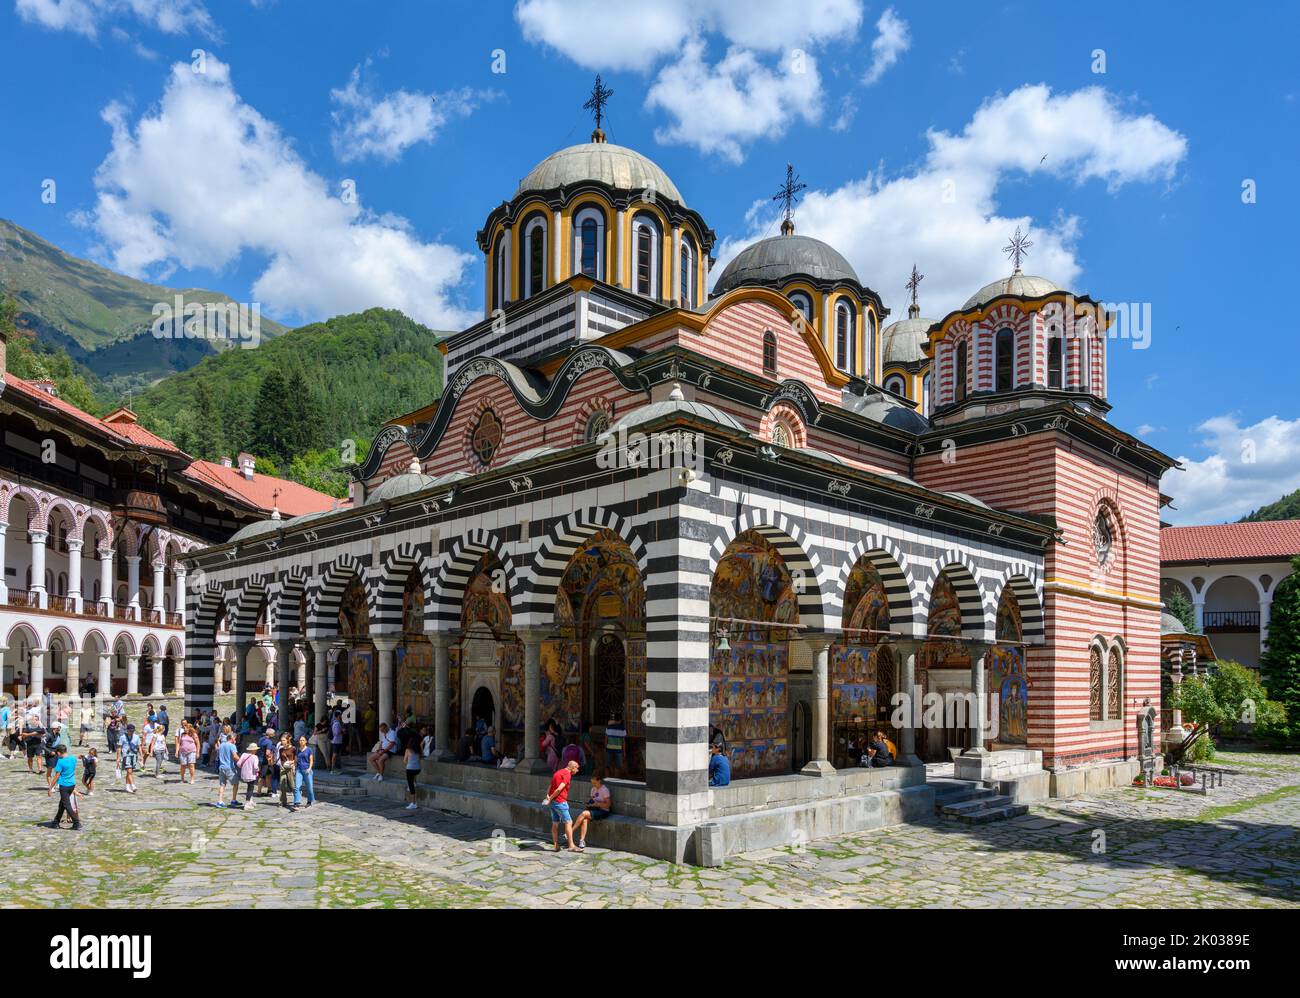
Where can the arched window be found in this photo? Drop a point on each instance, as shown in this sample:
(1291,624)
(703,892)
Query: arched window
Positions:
(803,303)
(844,323)
(95,590)
(1114,684)
(501,275)
(1095,698)
(534,257)
(1085,364)
(925,395)
(1054,360)
(687,276)
(646,248)
(894,383)
(596,426)
(781,435)
(1004,360)
(769,353)
(1103,538)
(589,242)
(959,377)
(63,584)
(869,348)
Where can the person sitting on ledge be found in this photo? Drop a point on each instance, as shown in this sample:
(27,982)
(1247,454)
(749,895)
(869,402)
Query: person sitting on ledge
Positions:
(879,752)
(384,749)
(597,809)
(719,767)
(489,754)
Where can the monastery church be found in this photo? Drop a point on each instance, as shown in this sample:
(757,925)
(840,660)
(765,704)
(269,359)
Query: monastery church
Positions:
(848,508)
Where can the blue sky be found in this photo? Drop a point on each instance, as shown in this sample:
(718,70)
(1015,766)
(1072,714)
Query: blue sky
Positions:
(920,129)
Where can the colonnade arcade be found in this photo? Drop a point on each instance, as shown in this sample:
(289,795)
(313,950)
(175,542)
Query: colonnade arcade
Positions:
(802,666)
(41,658)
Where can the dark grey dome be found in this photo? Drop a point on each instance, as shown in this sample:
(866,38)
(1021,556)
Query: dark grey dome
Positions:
(774,260)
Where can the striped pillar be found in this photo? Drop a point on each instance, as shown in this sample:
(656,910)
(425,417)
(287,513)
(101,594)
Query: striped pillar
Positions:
(677,673)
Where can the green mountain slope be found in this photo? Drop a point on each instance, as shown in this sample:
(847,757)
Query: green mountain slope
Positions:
(357,371)
(1286,508)
(103,320)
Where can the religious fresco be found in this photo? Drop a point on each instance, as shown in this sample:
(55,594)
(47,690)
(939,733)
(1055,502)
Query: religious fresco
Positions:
(361,677)
(561,685)
(510,660)
(413,608)
(485,598)
(354,612)
(749,682)
(602,582)
(944,621)
(1007,676)
(866,608)
(413,664)
(853,682)
(453,684)
(636,688)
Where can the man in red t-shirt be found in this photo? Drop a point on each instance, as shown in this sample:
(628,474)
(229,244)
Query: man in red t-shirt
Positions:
(558,799)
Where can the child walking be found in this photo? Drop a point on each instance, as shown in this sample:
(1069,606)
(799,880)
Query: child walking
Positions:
(89,763)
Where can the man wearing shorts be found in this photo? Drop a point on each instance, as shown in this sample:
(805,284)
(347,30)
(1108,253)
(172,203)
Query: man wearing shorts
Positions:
(226,775)
(558,799)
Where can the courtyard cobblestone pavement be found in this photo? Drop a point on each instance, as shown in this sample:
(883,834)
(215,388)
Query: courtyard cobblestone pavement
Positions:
(165,846)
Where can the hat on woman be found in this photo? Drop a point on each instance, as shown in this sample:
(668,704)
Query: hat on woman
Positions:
(251,747)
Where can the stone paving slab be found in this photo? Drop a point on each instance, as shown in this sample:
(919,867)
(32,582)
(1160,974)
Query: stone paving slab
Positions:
(167,844)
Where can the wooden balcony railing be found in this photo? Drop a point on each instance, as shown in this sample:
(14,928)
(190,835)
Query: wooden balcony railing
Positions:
(1232,620)
(23,597)
(61,604)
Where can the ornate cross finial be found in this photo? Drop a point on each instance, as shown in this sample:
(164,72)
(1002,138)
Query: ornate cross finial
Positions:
(914,282)
(788,195)
(600,95)
(1018,248)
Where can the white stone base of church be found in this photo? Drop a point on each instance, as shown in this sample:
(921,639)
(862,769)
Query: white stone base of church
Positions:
(759,813)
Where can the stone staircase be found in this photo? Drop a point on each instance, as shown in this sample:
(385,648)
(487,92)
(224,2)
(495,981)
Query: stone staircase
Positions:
(972,802)
(338,785)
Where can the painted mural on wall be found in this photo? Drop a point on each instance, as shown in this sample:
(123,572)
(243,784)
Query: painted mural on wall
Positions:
(1007,676)
(361,677)
(636,687)
(414,666)
(486,601)
(453,684)
(854,690)
(510,661)
(354,613)
(561,684)
(944,620)
(602,583)
(749,682)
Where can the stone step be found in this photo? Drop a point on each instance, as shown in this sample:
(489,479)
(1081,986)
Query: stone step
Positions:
(997,813)
(970,806)
(962,795)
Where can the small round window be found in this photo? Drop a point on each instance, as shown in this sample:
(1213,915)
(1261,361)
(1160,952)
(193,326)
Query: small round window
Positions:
(487,436)
(596,426)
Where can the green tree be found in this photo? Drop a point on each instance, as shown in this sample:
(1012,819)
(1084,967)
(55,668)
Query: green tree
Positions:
(1181,607)
(208,440)
(1231,695)
(270,431)
(1280,663)
(302,416)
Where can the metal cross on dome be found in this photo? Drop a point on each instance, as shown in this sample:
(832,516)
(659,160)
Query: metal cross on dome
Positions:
(914,282)
(1018,248)
(600,95)
(788,194)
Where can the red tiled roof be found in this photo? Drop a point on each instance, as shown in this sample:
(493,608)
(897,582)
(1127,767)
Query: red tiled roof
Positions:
(1279,539)
(294,499)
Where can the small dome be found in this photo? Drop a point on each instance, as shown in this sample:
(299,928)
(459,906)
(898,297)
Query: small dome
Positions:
(400,485)
(653,411)
(1169,624)
(256,529)
(1018,284)
(616,166)
(883,409)
(776,259)
(904,342)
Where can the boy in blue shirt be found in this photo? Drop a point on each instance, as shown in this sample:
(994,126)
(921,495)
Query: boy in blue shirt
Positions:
(65,772)
(719,767)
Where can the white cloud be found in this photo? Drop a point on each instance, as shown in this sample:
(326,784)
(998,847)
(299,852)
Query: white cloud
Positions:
(386,126)
(720,108)
(944,214)
(766,80)
(892,40)
(1247,467)
(637,36)
(84,17)
(164,203)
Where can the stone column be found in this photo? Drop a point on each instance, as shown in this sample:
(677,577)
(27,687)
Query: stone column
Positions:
(159,585)
(441,696)
(178,676)
(4,589)
(156,676)
(1198,608)
(385,644)
(283,671)
(906,684)
(820,764)
(105,675)
(73,688)
(300,680)
(36,683)
(242,650)
(319,650)
(37,538)
(132,675)
(74,573)
(1175,681)
(1265,611)
(133,585)
(106,578)
(269,659)
(532,639)
(180,575)
(979,705)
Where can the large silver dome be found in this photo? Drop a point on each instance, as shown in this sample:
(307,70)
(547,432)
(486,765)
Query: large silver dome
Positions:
(1018,284)
(617,166)
(904,342)
(774,260)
